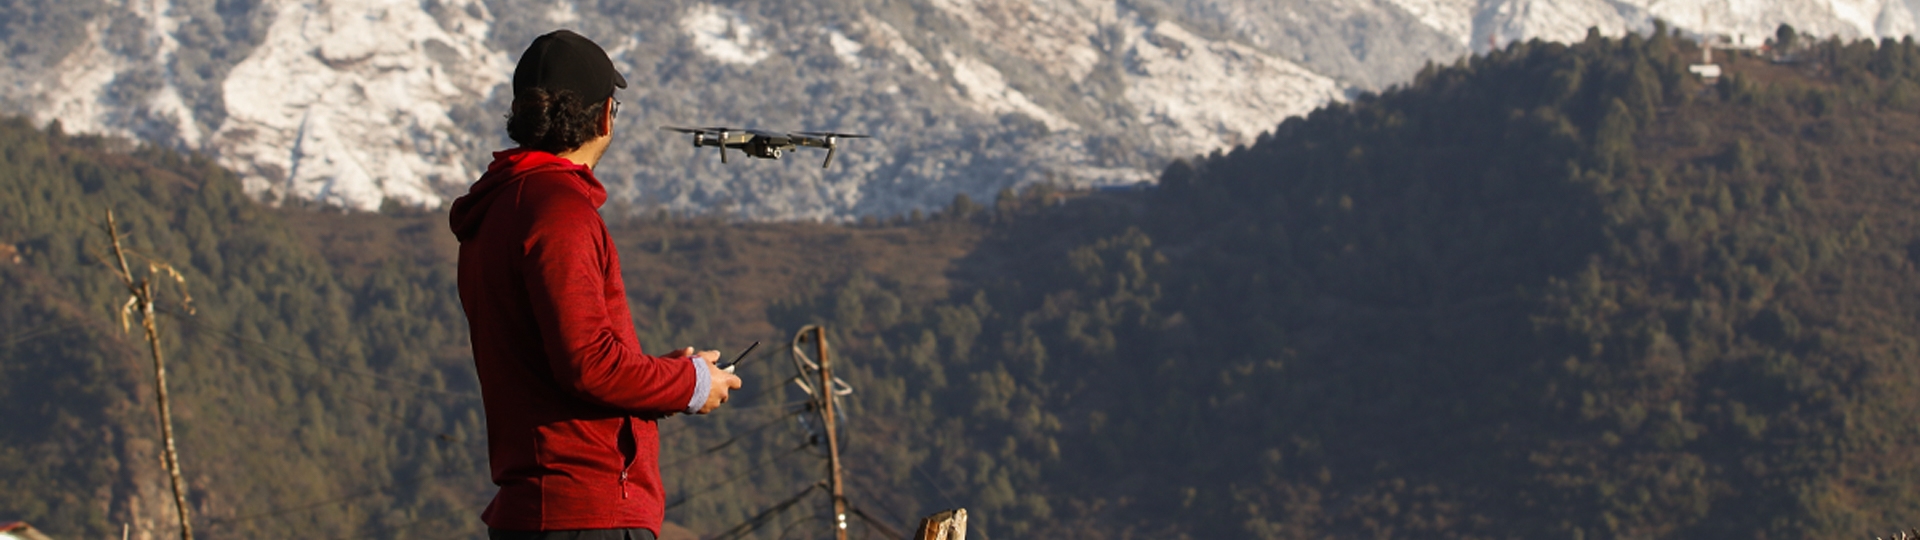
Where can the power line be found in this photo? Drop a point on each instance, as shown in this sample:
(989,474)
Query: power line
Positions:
(388,487)
(411,525)
(943,495)
(376,409)
(788,530)
(730,440)
(762,465)
(760,520)
(769,405)
(38,331)
(884,507)
(676,428)
(884,528)
(371,406)
(754,430)
(197,326)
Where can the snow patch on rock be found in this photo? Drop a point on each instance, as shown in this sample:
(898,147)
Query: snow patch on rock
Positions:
(348,102)
(1559,20)
(983,87)
(75,96)
(167,105)
(1742,22)
(1056,34)
(1480,23)
(1194,93)
(77,91)
(885,36)
(844,47)
(1450,17)
(1200,94)
(723,34)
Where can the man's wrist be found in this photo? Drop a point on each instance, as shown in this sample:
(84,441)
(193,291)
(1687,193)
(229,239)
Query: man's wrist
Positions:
(702,385)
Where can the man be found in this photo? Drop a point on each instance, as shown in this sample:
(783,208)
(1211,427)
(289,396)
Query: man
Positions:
(570,398)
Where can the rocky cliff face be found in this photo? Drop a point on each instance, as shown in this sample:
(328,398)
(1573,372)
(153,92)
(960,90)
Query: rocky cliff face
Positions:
(358,102)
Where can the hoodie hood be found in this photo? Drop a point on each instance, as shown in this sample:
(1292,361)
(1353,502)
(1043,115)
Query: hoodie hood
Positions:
(509,169)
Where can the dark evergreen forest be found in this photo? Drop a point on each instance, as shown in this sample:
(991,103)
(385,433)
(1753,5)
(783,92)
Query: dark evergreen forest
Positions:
(1554,291)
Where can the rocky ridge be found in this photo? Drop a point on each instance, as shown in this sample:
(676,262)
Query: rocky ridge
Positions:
(358,103)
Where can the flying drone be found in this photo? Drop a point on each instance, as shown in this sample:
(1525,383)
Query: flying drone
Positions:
(764,144)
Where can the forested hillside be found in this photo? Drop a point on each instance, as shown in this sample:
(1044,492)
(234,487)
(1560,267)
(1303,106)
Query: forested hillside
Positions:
(292,384)
(1555,291)
(1551,292)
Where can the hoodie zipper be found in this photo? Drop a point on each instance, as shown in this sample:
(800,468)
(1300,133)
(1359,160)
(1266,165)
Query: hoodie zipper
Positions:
(626,431)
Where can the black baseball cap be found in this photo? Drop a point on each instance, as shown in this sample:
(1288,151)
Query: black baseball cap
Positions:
(564,60)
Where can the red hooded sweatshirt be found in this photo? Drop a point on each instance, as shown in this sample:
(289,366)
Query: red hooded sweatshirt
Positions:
(570,398)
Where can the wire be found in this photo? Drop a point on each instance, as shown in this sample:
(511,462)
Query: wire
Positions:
(729,442)
(375,408)
(197,326)
(943,495)
(371,406)
(762,465)
(884,507)
(411,525)
(404,422)
(756,429)
(466,531)
(30,335)
(760,520)
(677,427)
(788,530)
(750,397)
(806,367)
(771,405)
(390,486)
(877,524)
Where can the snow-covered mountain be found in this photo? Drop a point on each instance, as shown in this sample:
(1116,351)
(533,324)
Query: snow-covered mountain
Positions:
(357,102)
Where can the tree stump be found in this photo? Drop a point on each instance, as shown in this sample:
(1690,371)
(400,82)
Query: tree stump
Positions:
(947,525)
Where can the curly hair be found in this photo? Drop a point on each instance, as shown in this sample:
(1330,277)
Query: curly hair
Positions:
(554,122)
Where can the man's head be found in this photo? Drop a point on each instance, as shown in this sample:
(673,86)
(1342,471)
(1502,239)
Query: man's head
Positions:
(562,89)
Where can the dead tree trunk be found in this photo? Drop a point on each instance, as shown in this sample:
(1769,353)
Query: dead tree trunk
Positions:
(141,299)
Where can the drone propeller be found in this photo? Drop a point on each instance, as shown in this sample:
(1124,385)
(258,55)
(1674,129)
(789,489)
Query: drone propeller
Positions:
(699,136)
(832,142)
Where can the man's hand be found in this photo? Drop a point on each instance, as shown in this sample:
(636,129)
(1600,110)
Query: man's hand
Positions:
(723,382)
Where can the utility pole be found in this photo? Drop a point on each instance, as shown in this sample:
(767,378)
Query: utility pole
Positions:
(141,299)
(822,398)
(833,439)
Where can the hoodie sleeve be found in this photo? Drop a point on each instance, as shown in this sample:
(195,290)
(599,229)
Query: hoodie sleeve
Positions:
(565,267)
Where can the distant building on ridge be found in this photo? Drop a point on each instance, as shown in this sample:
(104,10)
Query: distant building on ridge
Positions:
(1706,69)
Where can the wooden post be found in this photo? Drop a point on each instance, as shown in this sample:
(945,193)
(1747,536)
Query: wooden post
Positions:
(833,439)
(947,525)
(142,300)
